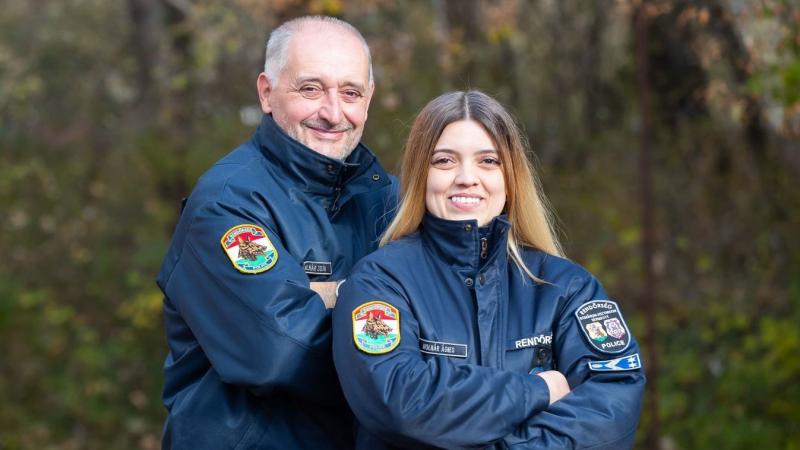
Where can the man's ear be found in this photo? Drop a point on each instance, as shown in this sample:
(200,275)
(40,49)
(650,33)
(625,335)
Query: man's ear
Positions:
(369,98)
(264,89)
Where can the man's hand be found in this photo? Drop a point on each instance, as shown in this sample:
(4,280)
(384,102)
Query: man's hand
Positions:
(557,384)
(326,290)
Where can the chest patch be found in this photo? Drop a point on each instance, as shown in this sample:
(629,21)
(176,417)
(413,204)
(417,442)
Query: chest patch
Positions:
(543,339)
(603,326)
(317,267)
(442,348)
(376,327)
(249,248)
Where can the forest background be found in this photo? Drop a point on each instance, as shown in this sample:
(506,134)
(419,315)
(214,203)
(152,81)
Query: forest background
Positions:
(666,134)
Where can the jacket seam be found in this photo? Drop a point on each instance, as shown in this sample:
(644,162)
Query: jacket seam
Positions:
(614,441)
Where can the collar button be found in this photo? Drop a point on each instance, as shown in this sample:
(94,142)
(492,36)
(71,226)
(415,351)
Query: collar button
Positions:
(468,227)
(376,177)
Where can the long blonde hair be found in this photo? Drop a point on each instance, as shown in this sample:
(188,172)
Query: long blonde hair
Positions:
(526,206)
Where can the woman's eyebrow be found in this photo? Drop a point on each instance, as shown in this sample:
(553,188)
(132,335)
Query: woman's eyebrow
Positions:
(479,152)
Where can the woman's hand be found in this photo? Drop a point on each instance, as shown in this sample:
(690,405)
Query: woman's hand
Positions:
(557,384)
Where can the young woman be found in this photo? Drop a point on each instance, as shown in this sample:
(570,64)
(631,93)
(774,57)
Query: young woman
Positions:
(467,328)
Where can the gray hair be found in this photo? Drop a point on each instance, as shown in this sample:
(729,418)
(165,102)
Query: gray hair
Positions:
(277,53)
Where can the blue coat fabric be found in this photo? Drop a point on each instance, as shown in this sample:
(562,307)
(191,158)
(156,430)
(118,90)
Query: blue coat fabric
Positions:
(472,326)
(249,363)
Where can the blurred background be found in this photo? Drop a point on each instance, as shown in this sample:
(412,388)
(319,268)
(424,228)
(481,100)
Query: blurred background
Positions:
(667,136)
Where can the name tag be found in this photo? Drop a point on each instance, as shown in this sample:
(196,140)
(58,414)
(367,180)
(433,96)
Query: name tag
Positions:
(317,267)
(442,348)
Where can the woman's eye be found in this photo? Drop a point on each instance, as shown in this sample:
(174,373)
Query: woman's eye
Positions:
(491,161)
(441,161)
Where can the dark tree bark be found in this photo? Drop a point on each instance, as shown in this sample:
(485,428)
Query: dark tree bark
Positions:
(722,25)
(464,26)
(648,297)
(145,48)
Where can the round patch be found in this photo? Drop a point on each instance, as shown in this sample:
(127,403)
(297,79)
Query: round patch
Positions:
(603,326)
(249,248)
(376,327)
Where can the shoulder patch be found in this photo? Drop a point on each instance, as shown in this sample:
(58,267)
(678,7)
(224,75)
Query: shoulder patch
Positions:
(376,327)
(249,248)
(631,362)
(603,326)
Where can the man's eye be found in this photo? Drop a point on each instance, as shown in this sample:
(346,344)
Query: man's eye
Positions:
(309,91)
(351,94)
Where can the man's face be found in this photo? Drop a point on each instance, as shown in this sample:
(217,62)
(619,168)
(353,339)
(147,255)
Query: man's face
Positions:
(322,95)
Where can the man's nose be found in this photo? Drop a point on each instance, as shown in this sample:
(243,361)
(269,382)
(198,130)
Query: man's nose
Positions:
(331,110)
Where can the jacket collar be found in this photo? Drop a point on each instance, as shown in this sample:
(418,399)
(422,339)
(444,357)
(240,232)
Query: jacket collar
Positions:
(458,242)
(318,174)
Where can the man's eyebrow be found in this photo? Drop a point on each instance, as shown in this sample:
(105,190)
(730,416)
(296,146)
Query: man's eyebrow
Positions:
(353,84)
(307,79)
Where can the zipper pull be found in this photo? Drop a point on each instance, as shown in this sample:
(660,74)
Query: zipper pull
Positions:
(484,248)
(337,193)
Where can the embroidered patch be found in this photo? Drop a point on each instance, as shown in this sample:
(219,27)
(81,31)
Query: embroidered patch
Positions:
(249,248)
(603,326)
(317,267)
(443,348)
(631,362)
(376,327)
(530,341)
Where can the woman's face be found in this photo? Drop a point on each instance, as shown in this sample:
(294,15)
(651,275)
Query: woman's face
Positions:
(465,180)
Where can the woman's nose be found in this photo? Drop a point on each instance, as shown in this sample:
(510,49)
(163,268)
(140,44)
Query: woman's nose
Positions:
(466,176)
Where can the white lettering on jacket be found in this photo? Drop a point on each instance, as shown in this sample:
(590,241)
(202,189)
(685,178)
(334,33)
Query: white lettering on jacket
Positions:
(542,339)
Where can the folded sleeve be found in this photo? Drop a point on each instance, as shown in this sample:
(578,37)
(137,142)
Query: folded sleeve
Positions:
(411,401)
(265,329)
(602,410)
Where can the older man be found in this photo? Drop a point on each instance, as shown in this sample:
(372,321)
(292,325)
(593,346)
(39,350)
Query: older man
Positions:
(267,232)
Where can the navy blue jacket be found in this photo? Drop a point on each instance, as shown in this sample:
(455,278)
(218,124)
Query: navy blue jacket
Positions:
(472,329)
(249,362)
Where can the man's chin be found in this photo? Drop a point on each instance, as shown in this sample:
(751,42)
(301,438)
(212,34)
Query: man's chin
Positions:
(340,150)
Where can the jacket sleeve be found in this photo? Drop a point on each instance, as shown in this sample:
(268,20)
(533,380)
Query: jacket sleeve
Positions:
(602,410)
(260,330)
(409,400)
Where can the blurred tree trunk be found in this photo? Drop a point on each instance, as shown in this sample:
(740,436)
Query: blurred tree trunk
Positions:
(721,24)
(465,38)
(180,102)
(143,41)
(648,295)
(590,64)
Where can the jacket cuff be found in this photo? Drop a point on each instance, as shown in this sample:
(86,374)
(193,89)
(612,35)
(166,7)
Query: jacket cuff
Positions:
(538,396)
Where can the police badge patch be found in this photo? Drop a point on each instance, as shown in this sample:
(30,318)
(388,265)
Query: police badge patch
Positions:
(249,248)
(603,326)
(376,327)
